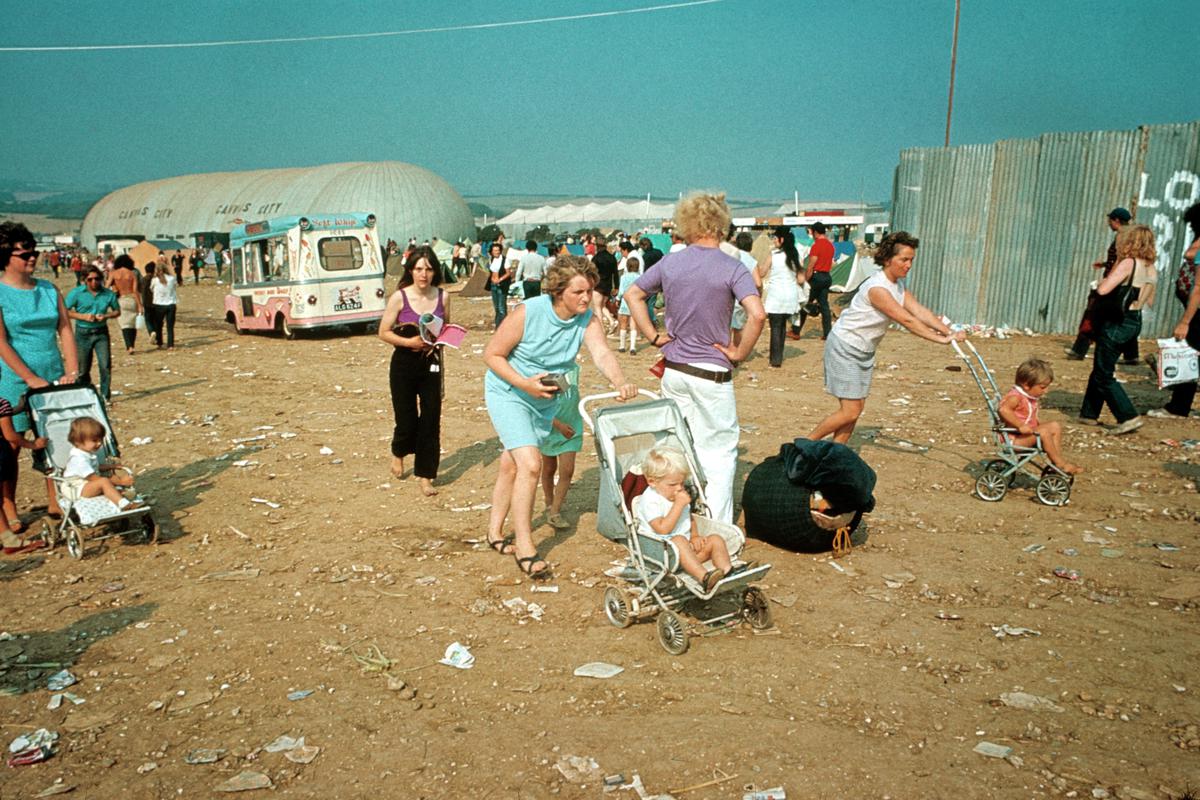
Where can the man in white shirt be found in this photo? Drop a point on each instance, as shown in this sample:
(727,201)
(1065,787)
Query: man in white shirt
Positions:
(531,266)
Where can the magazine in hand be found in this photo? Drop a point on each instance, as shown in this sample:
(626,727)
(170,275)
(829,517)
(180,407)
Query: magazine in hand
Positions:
(436,332)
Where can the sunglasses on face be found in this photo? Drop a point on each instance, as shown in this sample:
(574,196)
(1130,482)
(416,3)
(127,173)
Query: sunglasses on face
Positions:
(25,254)
(92,279)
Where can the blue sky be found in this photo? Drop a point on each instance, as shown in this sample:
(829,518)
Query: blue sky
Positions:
(756,97)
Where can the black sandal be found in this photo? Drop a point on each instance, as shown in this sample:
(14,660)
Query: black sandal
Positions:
(526,565)
(499,544)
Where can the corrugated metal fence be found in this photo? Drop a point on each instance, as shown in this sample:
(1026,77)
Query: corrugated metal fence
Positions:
(1009,231)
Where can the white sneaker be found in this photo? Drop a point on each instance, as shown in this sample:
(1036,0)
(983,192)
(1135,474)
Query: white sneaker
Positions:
(1128,426)
(1162,413)
(1087,421)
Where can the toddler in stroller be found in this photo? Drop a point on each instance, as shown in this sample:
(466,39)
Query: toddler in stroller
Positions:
(701,567)
(82,449)
(86,436)
(664,509)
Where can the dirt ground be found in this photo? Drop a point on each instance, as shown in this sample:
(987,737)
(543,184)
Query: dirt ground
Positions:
(881,675)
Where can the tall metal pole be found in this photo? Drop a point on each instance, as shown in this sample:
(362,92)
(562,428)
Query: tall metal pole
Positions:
(953,61)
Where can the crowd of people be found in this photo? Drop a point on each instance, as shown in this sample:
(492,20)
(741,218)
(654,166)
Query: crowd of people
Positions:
(715,299)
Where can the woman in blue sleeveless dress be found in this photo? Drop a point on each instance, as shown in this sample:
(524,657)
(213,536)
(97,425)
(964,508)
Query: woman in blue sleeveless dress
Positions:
(534,345)
(33,324)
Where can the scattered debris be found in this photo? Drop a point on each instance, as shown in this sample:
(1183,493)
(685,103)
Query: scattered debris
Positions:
(31,748)
(992,750)
(204,755)
(579,769)
(299,694)
(60,680)
(245,781)
(598,669)
(1008,630)
(232,575)
(458,656)
(1066,574)
(1029,702)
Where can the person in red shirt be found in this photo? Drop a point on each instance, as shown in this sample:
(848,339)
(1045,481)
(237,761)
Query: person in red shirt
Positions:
(816,273)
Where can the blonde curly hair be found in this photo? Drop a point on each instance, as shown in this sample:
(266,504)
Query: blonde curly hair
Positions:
(1136,241)
(701,215)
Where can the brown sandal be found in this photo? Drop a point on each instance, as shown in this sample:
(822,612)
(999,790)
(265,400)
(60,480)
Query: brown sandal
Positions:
(712,578)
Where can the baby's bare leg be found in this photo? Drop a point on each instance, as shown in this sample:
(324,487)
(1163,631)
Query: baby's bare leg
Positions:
(719,553)
(1051,433)
(691,563)
(98,485)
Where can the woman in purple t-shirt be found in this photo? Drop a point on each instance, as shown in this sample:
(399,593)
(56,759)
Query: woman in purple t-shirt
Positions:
(700,286)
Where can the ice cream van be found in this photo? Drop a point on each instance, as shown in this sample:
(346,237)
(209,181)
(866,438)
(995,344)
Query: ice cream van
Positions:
(304,273)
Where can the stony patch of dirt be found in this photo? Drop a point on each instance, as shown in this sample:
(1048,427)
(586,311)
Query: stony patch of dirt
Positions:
(881,675)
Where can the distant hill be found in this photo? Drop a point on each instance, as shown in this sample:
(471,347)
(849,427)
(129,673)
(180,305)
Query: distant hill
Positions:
(56,201)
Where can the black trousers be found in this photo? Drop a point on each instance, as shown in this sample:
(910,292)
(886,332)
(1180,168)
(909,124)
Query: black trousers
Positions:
(417,408)
(819,295)
(164,316)
(778,324)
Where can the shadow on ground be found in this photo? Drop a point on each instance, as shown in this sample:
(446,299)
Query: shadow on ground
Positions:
(174,489)
(457,463)
(27,659)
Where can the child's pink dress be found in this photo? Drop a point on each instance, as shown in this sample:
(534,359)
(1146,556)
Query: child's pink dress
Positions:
(1027,408)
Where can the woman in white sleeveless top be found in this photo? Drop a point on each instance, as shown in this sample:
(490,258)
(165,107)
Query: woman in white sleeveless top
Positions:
(781,281)
(850,348)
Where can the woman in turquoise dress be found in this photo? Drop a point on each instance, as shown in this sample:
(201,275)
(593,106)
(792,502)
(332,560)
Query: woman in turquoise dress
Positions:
(33,325)
(534,347)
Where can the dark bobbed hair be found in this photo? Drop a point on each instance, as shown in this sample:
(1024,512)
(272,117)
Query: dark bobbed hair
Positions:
(12,236)
(425,252)
(744,241)
(1192,218)
(893,242)
(530,245)
(791,255)
(123,261)
(817,227)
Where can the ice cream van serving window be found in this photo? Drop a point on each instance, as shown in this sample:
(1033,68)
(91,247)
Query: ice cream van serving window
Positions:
(340,253)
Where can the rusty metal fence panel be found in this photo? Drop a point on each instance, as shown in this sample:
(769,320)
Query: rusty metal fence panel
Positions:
(1009,231)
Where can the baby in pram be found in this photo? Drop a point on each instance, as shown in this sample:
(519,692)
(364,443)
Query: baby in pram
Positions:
(87,438)
(664,511)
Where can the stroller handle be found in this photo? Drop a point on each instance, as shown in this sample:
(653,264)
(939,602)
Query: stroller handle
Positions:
(594,398)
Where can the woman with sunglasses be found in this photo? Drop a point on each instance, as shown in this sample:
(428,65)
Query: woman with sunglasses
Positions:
(33,326)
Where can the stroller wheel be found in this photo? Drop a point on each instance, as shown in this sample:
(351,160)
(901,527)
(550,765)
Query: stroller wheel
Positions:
(1000,465)
(991,486)
(1053,489)
(74,542)
(755,609)
(618,607)
(672,633)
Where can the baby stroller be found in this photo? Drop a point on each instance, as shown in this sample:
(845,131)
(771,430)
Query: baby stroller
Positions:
(1053,485)
(624,434)
(52,409)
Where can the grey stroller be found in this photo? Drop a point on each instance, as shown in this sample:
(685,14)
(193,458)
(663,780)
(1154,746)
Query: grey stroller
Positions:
(656,586)
(52,409)
(1053,485)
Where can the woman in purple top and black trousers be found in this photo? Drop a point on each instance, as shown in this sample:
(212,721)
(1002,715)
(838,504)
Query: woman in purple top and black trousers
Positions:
(700,285)
(415,374)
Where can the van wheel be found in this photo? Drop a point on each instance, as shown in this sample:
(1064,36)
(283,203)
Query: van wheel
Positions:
(282,327)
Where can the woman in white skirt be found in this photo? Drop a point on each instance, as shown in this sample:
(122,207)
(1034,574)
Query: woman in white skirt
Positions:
(781,278)
(850,348)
